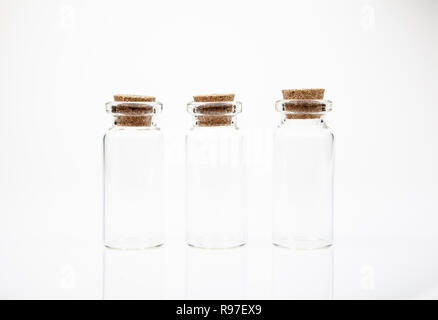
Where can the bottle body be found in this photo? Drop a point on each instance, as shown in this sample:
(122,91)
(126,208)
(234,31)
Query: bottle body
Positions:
(215,202)
(303,184)
(134,216)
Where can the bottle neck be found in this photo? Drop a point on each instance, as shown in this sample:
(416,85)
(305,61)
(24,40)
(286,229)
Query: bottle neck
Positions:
(214,114)
(307,122)
(303,112)
(135,114)
(214,121)
(130,121)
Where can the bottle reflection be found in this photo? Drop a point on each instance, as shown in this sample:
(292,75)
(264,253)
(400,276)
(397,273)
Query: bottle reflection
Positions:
(215,274)
(133,274)
(302,274)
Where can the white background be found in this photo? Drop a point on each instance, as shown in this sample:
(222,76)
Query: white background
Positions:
(60,61)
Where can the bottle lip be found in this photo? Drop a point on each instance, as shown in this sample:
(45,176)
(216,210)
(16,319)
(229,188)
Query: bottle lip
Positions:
(217,108)
(303,106)
(134,108)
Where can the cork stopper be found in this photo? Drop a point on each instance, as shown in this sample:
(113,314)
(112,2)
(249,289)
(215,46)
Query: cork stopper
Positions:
(213,115)
(303,106)
(303,94)
(133,98)
(134,114)
(216,97)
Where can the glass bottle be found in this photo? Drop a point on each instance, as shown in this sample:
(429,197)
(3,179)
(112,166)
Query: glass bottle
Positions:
(215,208)
(303,172)
(133,174)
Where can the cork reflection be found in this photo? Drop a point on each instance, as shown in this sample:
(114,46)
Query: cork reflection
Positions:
(133,274)
(215,273)
(302,274)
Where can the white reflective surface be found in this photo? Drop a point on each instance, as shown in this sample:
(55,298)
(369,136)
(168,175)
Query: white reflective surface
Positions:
(302,274)
(355,268)
(133,274)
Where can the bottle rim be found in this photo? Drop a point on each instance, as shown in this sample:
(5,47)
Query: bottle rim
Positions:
(134,108)
(218,108)
(303,106)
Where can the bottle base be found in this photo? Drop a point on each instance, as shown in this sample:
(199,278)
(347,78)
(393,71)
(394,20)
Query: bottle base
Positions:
(215,243)
(209,247)
(302,243)
(133,244)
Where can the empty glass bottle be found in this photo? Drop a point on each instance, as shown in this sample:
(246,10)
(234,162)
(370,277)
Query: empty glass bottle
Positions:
(216,216)
(133,174)
(303,171)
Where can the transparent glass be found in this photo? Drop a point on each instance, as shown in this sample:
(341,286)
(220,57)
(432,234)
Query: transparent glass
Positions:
(215,202)
(133,180)
(303,177)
